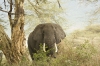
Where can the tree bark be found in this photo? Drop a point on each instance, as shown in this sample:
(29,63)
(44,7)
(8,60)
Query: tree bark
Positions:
(17,32)
(5,44)
(15,47)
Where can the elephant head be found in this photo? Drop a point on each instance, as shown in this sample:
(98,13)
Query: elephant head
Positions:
(48,34)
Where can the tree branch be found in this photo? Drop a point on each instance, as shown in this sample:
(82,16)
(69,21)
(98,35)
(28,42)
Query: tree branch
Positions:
(59,4)
(33,7)
(7,12)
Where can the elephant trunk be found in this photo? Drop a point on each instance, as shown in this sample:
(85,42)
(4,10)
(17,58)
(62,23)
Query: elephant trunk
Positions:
(44,48)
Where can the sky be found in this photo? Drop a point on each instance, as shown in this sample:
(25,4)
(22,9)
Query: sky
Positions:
(77,13)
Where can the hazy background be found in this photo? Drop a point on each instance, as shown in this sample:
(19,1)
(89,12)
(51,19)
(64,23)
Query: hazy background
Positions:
(78,13)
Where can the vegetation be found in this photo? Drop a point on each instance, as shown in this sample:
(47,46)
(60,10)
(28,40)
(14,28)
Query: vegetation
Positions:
(81,48)
(42,12)
(16,44)
(72,52)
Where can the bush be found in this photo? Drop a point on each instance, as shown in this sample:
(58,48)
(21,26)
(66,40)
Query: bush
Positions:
(81,55)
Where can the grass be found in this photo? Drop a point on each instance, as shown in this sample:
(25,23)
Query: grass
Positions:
(70,53)
(85,54)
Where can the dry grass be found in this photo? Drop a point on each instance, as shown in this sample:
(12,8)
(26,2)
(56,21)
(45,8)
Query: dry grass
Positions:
(81,54)
(77,49)
(77,52)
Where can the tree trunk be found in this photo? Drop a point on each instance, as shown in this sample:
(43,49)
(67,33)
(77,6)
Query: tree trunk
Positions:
(14,49)
(5,44)
(17,32)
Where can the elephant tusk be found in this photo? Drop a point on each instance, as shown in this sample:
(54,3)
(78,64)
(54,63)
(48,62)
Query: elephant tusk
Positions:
(56,49)
(44,47)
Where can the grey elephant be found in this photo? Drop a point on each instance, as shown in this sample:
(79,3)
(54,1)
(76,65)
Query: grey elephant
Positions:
(49,35)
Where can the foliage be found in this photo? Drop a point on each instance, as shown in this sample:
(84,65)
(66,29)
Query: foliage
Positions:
(85,52)
(89,32)
(42,12)
(40,55)
(81,55)
(45,11)
(95,28)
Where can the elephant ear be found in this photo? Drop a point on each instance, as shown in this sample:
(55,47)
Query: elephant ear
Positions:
(59,33)
(37,33)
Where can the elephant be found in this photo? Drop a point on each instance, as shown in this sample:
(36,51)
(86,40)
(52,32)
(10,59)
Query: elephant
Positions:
(47,34)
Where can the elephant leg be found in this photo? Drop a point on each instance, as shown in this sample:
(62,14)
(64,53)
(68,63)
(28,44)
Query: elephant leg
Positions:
(31,51)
